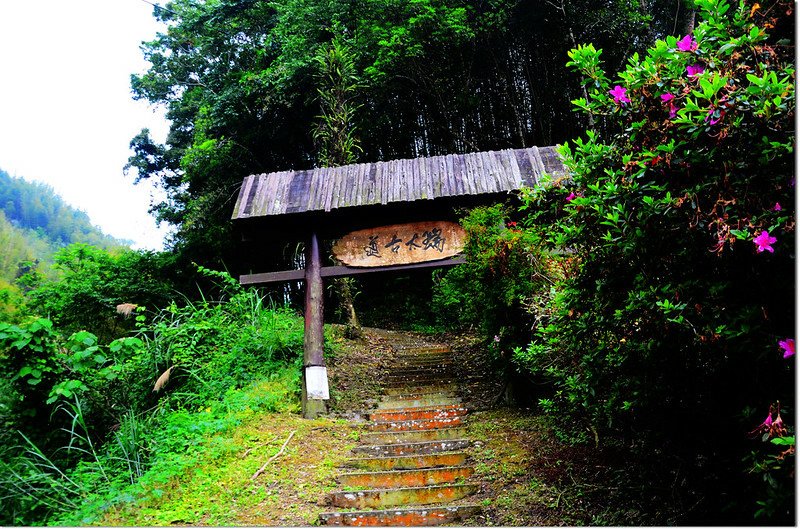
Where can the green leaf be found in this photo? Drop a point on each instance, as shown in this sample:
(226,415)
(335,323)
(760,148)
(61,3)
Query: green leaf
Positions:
(21,343)
(783,441)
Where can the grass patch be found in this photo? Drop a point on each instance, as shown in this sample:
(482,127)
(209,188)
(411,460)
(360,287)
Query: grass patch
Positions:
(213,485)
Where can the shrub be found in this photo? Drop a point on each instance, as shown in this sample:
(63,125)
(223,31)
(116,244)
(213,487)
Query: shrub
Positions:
(504,288)
(90,282)
(83,420)
(681,217)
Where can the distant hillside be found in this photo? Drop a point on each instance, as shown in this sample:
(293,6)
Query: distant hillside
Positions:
(35,222)
(35,206)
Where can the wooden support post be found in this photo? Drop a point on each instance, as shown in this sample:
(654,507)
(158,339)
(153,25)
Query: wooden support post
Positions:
(315,375)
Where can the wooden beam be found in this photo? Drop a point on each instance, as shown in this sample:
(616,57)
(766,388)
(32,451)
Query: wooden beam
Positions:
(342,271)
(272,277)
(315,377)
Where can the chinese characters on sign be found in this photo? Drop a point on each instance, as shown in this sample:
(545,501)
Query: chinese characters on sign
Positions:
(400,244)
(430,240)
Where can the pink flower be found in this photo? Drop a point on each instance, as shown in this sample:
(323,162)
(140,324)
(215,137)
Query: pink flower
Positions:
(712,120)
(619,94)
(571,197)
(496,339)
(771,428)
(669,98)
(777,207)
(687,43)
(788,347)
(764,427)
(764,242)
(695,69)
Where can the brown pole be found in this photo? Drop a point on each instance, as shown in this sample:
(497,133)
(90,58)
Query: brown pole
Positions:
(315,376)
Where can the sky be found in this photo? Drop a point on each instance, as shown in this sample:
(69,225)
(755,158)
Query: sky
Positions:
(66,111)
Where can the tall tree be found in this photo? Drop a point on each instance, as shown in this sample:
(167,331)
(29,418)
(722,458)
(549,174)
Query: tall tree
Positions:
(336,137)
(238,79)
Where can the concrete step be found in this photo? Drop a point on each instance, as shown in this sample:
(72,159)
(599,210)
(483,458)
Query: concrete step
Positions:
(418,389)
(422,401)
(415,424)
(405,478)
(415,396)
(410,414)
(412,452)
(415,517)
(413,436)
(423,359)
(412,370)
(417,381)
(381,498)
(422,349)
(414,448)
(441,357)
(422,373)
(446,459)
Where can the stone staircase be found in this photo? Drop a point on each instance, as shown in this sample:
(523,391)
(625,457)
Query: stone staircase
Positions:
(410,467)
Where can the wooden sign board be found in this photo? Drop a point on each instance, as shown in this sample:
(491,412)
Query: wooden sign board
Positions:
(415,242)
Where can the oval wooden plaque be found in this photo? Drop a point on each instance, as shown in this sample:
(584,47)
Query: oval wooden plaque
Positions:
(415,242)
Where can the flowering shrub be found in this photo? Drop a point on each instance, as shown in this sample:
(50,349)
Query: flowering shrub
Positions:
(681,214)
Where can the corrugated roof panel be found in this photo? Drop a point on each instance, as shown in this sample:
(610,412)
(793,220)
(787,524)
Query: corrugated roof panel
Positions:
(261,202)
(314,190)
(405,181)
(490,173)
(244,203)
(327,195)
(350,185)
(552,162)
(408,180)
(472,176)
(451,174)
(340,191)
(426,166)
(525,167)
(463,177)
(360,187)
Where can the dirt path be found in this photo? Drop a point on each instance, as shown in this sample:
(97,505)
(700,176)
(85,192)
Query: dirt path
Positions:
(523,475)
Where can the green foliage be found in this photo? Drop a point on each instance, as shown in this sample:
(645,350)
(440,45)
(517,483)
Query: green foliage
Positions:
(669,327)
(81,419)
(238,80)
(216,346)
(91,282)
(28,354)
(520,270)
(149,450)
(335,133)
(12,303)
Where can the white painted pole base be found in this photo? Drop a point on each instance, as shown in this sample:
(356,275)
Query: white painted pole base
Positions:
(317,383)
(315,391)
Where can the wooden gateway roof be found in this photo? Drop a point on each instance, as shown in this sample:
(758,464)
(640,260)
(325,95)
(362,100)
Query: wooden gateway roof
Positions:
(395,181)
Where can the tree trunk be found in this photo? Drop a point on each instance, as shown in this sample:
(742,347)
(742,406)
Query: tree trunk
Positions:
(353,329)
(315,377)
(688,27)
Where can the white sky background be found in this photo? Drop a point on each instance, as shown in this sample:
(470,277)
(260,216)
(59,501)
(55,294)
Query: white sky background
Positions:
(66,112)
